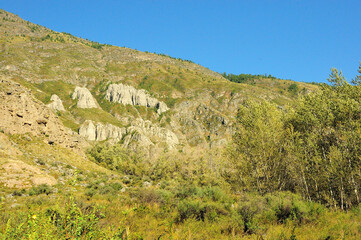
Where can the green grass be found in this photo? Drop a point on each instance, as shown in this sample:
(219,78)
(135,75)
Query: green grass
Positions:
(95,114)
(38,148)
(68,121)
(62,89)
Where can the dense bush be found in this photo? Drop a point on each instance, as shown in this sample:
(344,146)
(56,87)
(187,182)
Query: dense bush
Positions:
(102,188)
(200,210)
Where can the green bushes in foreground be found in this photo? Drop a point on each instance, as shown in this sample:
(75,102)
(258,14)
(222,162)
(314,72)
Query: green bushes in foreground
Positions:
(202,212)
(69,222)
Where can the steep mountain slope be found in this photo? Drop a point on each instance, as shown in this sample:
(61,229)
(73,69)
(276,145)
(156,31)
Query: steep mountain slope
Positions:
(147,101)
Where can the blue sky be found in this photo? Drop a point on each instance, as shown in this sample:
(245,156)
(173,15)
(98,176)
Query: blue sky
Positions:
(299,40)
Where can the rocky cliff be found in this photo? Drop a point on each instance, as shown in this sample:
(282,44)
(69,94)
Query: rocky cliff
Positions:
(140,131)
(129,95)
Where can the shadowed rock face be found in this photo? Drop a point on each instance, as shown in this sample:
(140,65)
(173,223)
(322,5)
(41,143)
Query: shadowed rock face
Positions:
(56,103)
(85,98)
(129,95)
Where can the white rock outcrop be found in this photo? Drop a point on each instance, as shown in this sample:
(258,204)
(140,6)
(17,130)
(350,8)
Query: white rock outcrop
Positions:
(85,98)
(101,132)
(56,103)
(141,132)
(88,130)
(125,94)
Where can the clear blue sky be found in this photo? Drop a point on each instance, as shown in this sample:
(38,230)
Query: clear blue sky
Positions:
(299,40)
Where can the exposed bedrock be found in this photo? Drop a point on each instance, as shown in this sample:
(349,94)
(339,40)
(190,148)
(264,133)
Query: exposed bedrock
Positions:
(56,103)
(100,132)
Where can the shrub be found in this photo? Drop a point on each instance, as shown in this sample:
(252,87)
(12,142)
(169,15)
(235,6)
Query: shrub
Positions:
(116,186)
(247,214)
(293,88)
(200,210)
(66,223)
(43,188)
(283,212)
(19,192)
(54,216)
(90,192)
(104,188)
(147,196)
(190,209)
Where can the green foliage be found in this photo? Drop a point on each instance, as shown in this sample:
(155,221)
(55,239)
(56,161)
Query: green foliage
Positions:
(202,203)
(293,88)
(357,79)
(245,78)
(47,37)
(93,114)
(313,149)
(336,78)
(199,210)
(116,158)
(19,193)
(72,222)
(326,125)
(258,152)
